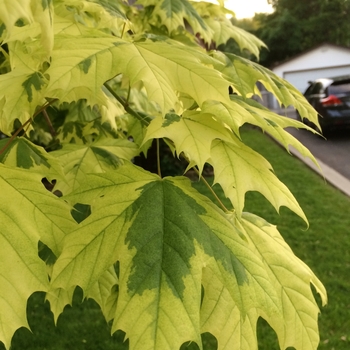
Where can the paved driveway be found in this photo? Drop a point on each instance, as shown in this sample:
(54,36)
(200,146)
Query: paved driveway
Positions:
(334,152)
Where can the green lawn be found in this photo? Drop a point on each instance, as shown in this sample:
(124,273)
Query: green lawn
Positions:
(325,247)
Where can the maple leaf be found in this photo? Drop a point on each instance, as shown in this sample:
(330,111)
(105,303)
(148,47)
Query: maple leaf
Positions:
(105,293)
(173,14)
(22,153)
(163,265)
(12,11)
(225,31)
(157,283)
(192,134)
(241,110)
(239,169)
(25,219)
(21,92)
(196,134)
(291,279)
(93,61)
(79,160)
(244,75)
(215,17)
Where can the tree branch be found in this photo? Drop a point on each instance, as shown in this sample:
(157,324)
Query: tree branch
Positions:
(126,106)
(42,109)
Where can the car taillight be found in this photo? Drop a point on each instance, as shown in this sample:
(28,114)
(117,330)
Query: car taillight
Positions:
(331,100)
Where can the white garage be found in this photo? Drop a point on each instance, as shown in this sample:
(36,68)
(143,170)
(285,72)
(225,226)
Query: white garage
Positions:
(324,61)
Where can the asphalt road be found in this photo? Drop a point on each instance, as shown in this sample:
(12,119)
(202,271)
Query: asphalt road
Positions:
(334,151)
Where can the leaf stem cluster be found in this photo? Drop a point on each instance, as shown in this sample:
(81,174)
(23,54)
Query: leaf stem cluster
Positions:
(29,121)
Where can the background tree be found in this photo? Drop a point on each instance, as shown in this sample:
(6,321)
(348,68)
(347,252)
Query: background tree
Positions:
(296,26)
(85,87)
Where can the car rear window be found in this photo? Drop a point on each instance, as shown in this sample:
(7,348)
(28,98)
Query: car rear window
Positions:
(339,88)
(314,88)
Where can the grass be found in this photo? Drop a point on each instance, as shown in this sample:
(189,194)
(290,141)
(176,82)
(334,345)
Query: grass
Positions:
(325,247)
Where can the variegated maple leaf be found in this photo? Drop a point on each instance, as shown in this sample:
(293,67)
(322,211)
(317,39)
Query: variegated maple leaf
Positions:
(79,160)
(186,243)
(27,217)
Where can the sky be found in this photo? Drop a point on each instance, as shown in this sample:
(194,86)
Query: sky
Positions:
(247,8)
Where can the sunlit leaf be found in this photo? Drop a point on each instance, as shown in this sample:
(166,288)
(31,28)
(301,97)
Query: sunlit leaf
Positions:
(291,279)
(239,169)
(21,153)
(245,74)
(21,92)
(79,160)
(26,217)
(160,270)
(241,111)
(163,68)
(12,11)
(163,265)
(192,134)
(173,14)
(215,17)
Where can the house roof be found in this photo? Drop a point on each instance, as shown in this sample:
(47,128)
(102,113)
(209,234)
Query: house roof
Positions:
(315,48)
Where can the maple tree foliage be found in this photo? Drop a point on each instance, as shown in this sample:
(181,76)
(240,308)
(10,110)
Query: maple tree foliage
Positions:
(85,87)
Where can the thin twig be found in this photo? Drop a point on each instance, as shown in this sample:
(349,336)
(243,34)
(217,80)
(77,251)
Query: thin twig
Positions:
(25,124)
(42,108)
(158,159)
(126,105)
(15,135)
(212,191)
(48,121)
(123,30)
(128,97)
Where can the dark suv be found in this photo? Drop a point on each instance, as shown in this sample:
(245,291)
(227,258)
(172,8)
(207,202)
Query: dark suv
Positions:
(331,99)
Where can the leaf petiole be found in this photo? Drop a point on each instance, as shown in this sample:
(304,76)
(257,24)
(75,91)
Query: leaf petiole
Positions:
(42,109)
(158,159)
(48,121)
(222,205)
(126,105)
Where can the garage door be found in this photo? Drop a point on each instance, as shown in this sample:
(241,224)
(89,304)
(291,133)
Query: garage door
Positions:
(300,78)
